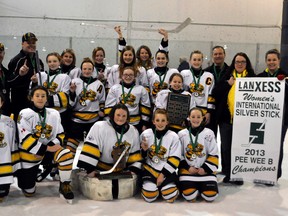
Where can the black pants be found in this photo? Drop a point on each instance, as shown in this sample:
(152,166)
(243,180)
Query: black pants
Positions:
(27,177)
(279,172)
(226,147)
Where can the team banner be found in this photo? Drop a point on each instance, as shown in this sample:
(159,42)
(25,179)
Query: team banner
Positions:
(257,125)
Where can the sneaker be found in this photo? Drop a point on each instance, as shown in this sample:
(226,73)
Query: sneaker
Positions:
(65,191)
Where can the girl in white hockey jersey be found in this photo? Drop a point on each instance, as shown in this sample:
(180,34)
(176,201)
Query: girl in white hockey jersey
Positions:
(176,87)
(57,84)
(9,154)
(134,96)
(100,69)
(104,137)
(159,76)
(144,56)
(87,99)
(68,63)
(127,58)
(200,84)
(199,160)
(40,132)
(162,151)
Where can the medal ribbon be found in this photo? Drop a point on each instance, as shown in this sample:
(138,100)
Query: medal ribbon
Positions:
(121,136)
(272,75)
(96,71)
(33,62)
(85,87)
(194,144)
(194,78)
(217,75)
(162,80)
(155,141)
(42,121)
(128,94)
(49,83)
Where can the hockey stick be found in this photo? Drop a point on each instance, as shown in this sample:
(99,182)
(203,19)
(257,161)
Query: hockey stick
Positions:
(175,30)
(117,162)
(38,66)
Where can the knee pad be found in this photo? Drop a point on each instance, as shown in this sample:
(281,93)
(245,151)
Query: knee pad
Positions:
(170,192)
(149,191)
(190,194)
(209,196)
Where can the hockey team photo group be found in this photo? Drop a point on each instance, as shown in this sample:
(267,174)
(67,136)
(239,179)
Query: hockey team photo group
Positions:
(139,127)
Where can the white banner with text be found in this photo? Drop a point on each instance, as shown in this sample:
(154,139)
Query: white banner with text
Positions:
(257,125)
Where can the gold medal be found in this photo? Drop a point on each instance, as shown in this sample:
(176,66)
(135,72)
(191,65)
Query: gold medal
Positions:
(155,159)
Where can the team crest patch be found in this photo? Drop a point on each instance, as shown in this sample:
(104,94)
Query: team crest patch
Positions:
(158,87)
(192,153)
(195,90)
(89,95)
(43,132)
(156,157)
(130,99)
(2,145)
(52,88)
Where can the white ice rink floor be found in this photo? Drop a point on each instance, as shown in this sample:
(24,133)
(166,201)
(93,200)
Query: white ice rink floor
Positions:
(246,200)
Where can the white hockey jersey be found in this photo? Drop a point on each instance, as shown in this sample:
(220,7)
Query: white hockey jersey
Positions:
(168,156)
(58,88)
(9,154)
(205,154)
(203,94)
(74,73)
(113,77)
(162,99)
(100,142)
(138,102)
(154,81)
(33,138)
(85,107)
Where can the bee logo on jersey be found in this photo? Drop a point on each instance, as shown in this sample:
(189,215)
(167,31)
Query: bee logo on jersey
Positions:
(89,95)
(157,87)
(192,154)
(52,88)
(197,91)
(130,99)
(38,131)
(152,152)
(2,145)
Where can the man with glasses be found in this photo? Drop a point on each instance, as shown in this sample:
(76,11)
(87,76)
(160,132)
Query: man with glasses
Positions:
(23,66)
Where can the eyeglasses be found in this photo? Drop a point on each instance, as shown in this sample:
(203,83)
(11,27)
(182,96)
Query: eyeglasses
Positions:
(128,75)
(240,62)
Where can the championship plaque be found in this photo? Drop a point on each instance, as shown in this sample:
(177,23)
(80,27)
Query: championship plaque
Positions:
(178,107)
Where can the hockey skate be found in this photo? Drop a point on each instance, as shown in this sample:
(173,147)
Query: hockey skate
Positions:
(65,191)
